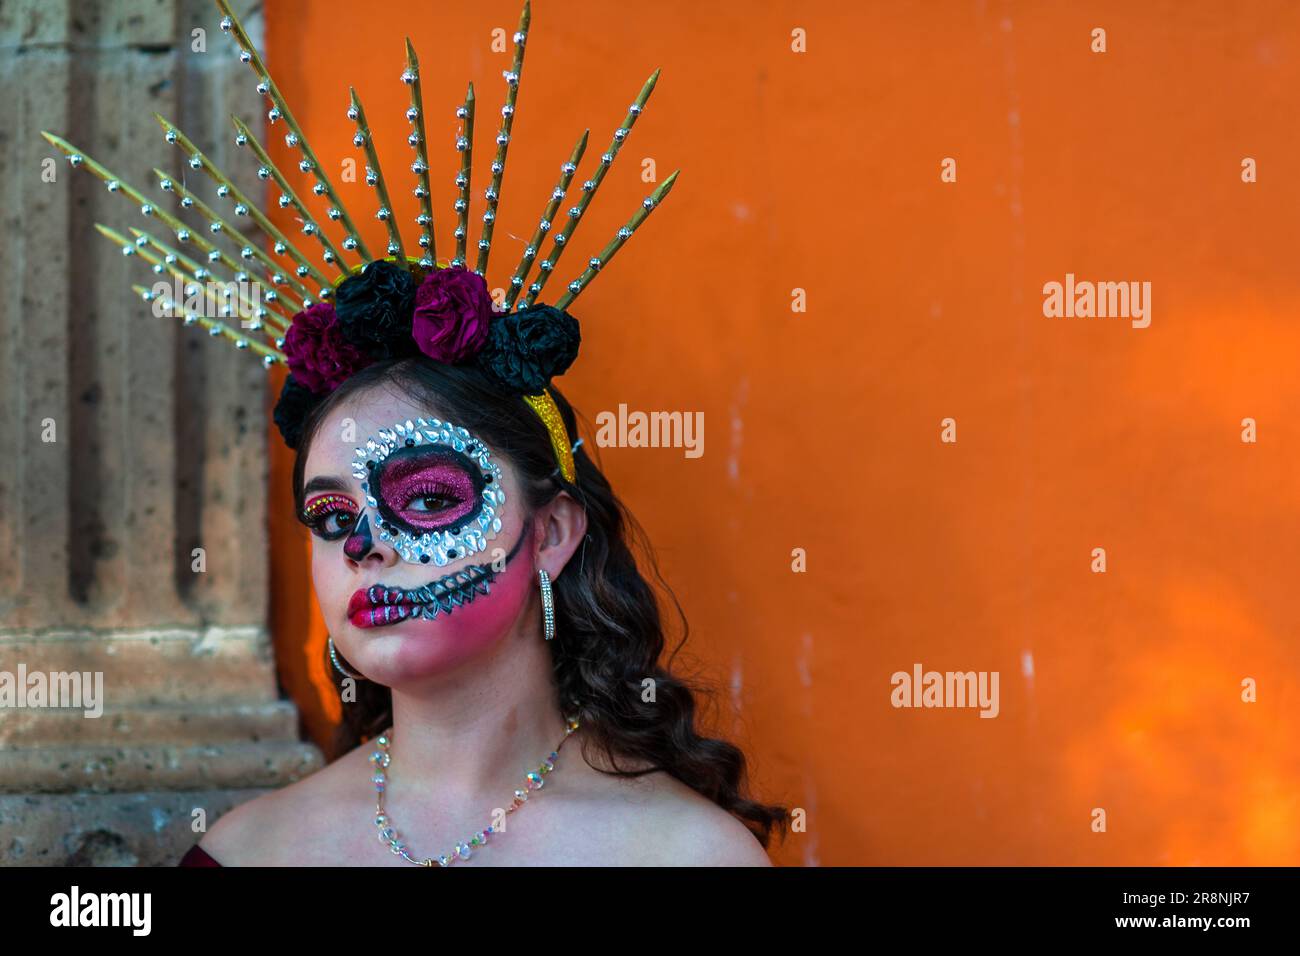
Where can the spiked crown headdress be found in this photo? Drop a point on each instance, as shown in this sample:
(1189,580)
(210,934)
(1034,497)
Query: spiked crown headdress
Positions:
(325,329)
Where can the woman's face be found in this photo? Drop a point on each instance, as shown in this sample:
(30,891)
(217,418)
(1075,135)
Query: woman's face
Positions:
(420,554)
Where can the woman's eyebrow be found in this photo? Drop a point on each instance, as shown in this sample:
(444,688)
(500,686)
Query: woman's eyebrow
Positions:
(325,483)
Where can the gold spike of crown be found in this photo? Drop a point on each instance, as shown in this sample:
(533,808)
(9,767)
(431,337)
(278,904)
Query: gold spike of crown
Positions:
(294,290)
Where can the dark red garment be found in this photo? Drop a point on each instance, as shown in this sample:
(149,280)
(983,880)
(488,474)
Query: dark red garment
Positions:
(197,856)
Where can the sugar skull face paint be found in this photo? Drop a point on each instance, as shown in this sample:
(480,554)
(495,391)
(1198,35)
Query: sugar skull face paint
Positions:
(413,463)
(381,604)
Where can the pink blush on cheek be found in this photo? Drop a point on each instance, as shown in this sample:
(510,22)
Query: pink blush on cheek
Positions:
(468,630)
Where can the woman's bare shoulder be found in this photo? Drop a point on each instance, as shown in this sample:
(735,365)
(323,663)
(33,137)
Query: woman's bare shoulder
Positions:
(657,820)
(277,828)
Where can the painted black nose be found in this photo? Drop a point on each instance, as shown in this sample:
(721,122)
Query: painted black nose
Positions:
(359,542)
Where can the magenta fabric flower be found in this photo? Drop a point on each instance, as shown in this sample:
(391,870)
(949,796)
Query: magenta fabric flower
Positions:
(452,312)
(318,356)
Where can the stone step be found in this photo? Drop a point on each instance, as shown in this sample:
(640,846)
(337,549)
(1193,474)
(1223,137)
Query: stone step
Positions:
(158,666)
(126,767)
(139,725)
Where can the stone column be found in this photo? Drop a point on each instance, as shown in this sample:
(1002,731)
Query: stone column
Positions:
(128,443)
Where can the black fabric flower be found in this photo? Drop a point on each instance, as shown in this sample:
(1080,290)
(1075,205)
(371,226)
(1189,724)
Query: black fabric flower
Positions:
(526,349)
(374,310)
(295,403)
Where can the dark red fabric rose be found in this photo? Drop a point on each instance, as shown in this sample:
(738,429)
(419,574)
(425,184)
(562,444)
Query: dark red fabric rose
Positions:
(452,311)
(318,356)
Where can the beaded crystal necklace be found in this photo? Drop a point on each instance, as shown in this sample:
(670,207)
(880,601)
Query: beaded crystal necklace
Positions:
(381,758)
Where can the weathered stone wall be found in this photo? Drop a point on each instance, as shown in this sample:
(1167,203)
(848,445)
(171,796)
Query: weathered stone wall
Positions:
(159,448)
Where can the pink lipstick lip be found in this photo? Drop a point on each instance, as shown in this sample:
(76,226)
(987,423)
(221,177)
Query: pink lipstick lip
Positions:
(382,615)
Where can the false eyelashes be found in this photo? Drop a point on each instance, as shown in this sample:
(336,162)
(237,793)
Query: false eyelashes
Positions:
(318,512)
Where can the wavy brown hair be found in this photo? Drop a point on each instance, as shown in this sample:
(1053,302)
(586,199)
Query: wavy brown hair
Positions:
(609,634)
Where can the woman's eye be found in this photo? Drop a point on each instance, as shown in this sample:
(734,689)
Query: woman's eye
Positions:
(431,503)
(333,525)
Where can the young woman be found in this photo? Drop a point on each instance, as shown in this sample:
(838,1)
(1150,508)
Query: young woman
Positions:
(474,697)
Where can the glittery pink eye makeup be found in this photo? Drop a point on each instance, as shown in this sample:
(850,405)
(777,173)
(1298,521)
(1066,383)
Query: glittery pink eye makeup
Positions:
(428,490)
(329,516)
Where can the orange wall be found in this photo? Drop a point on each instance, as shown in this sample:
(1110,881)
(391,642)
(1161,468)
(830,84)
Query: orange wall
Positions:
(822,429)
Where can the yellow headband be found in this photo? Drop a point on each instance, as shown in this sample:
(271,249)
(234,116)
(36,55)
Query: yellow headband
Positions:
(549,413)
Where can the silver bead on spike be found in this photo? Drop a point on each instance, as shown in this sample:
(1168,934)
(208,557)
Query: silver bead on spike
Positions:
(383,214)
(74,160)
(291,139)
(241,209)
(502,139)
(223,190)
(408,77)
(462,144)
(284,202)
(166,185)
(421,192)
(412,114)
(241,140)
(371,177)
(226,24)
(575,286)
(187,202)
(245,56)
(511,78)
(334,213)
(196,161)
(594,262)
(568,169)
(113,185)
(318,189)
(559,239)
(588,186)
(423,219)
(418,167)
(624,232)
(262,88)
(170,136)
(634,109)
(620,134)
(305,165)
(281,248)
(353,114)
(350,243)
(413,139)
(273,114)
(358,139)
(263,173)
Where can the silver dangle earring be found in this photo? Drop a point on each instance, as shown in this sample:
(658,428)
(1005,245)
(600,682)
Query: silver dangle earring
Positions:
(548,604)
(338,664)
